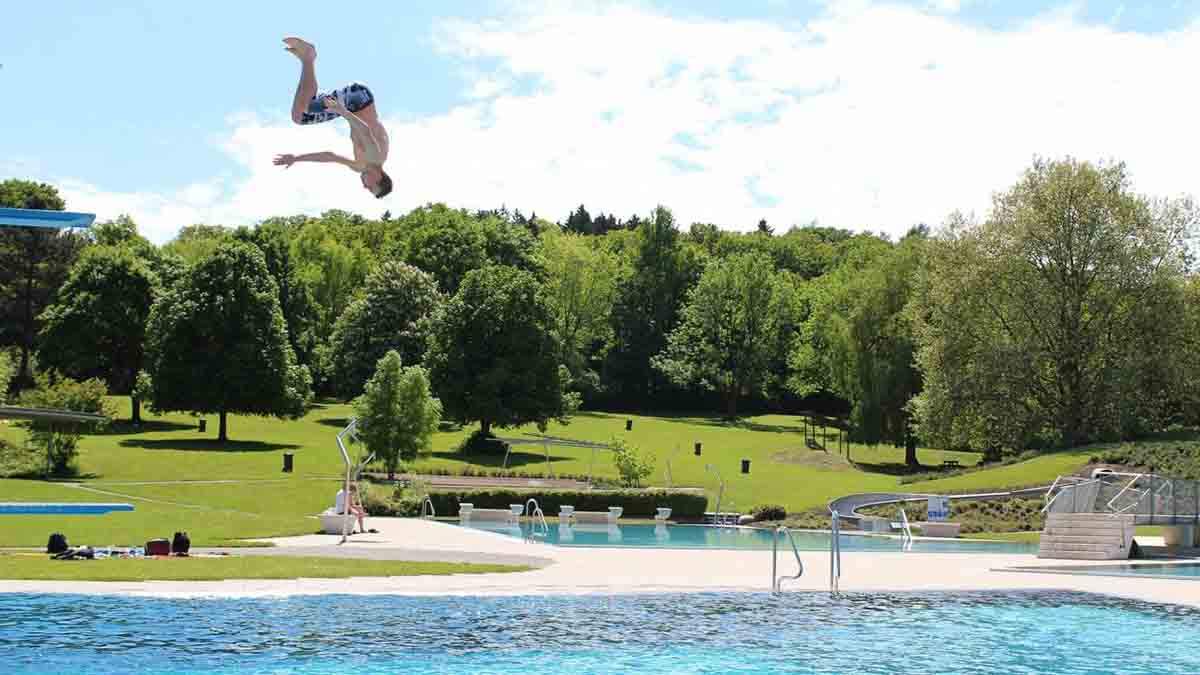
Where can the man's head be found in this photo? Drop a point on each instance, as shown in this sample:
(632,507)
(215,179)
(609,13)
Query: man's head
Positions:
(378,182)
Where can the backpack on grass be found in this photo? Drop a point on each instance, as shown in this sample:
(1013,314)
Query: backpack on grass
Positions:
(57,543)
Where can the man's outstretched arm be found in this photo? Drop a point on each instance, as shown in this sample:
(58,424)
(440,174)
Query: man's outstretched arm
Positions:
(288,160)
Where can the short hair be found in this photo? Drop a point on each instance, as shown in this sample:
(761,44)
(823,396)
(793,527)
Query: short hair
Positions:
(384,186)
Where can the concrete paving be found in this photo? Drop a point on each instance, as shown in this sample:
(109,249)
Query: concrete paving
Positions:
(566,570)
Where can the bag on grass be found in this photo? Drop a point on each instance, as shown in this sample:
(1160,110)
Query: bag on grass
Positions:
(57,543)
(181,543)
(158,547)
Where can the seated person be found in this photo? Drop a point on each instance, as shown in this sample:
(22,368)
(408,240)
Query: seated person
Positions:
(355,505)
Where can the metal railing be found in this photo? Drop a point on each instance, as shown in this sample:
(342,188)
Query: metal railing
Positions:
(906,535)
(777,581)
(536,518)
(835,552)
(1149,498)
(428,503)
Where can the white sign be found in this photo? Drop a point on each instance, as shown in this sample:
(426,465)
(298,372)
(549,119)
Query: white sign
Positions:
(939,509)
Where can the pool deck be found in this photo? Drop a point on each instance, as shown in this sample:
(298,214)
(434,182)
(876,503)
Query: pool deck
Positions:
(566,570)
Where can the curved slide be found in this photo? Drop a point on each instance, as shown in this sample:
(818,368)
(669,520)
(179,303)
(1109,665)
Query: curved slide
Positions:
(847,506)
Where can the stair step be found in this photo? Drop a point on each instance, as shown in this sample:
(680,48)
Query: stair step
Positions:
(1080,555)
(1078,539)
(1055,546)
(1085,531)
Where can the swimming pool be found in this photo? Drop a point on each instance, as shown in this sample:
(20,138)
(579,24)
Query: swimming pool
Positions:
(705,633)
(707,536)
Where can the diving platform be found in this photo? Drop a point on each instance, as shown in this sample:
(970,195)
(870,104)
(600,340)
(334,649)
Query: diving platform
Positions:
(45,219)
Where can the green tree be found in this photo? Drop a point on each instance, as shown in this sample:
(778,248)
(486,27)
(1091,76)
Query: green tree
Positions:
(97,328)
(6,374)
(197,242)
(397,414)
(649,298)
(1033,327)
(727,334)
(300,312)
(394,314)
(218,341)
(332,269)
(633,466)
(58,440)
(449,243)
(858,344)
(493,353)
(581,286)
(34,263)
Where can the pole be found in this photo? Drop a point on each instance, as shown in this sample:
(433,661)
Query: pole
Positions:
(774,557)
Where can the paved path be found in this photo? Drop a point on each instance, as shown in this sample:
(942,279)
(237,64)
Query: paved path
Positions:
(566,570)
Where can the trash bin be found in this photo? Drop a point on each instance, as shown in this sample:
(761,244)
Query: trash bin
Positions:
(698,444)
(287,462)
(203,424)
(745,466)
(628,425)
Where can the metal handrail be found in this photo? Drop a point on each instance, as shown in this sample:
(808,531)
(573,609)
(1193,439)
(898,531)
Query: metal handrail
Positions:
(835,553)
(720,493)
(777,582)
(905,529)
(1125,489)
(432,513)
(1075,486)
(538,518)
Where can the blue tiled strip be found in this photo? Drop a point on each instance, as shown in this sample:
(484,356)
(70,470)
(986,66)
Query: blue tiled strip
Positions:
(82,509)
(38,218)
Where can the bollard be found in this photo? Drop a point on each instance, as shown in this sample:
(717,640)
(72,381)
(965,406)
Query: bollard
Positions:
(628,425)
(698,444)
(287,462)
(203,423)
(745,466)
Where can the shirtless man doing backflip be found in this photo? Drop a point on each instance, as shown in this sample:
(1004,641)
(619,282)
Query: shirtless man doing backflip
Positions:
(356,105)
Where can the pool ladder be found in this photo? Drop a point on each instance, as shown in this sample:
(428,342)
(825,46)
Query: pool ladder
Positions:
(835,551)
(906,535)
(777,581)
(537,519)
(427,505)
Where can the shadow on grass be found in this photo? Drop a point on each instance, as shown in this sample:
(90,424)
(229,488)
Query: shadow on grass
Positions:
(339,422)
(893,468)
(206,445)
(516,459)
(125,427)
(740,423)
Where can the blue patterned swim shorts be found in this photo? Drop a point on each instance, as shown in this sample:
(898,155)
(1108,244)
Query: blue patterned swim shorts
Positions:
(355,96)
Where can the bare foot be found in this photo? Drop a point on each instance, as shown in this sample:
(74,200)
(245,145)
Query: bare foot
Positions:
(304,51)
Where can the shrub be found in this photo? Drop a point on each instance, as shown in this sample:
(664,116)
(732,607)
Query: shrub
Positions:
(632,465)
(637,503)
(58,440)
(768,512)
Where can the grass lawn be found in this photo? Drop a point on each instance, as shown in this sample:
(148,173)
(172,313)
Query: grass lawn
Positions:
(259,500)
(40,567)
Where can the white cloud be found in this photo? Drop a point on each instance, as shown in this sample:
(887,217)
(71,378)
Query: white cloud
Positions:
(871,116)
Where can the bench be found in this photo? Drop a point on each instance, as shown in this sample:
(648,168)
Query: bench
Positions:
(610,517)
(951,464)
(469,512)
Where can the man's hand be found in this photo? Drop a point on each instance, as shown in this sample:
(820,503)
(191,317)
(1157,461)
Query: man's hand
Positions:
(332,103)
(286,161)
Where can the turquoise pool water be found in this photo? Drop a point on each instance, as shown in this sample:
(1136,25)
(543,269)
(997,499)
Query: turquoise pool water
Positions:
(702,633)
(702,536)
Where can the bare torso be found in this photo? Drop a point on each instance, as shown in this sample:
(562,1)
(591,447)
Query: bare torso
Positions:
(370,117)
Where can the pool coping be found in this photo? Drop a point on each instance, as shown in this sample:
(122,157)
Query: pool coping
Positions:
(1084,570)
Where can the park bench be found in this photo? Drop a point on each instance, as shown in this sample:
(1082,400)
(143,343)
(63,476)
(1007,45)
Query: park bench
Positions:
(951,464)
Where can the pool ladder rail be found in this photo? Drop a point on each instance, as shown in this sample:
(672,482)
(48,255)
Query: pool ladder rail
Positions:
(777,581)
(427,510)
(537,519)
(906,535)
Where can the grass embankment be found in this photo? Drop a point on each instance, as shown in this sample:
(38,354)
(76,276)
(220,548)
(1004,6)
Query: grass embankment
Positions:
(261,501)
(41,568)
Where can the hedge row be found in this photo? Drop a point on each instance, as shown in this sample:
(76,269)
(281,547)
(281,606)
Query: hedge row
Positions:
(637,503)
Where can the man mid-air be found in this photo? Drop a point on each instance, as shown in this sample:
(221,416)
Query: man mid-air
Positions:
(356,104)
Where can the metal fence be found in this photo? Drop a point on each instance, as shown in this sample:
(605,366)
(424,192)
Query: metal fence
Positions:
(1150,498)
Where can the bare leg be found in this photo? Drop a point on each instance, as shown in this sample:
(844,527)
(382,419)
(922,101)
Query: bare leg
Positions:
(307,89)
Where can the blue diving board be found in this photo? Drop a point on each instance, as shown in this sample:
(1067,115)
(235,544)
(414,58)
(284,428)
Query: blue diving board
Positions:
(40,218)
(79,509)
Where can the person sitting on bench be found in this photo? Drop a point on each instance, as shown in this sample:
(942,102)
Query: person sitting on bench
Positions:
(355,506)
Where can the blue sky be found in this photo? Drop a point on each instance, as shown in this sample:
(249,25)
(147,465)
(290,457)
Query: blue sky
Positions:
(726,111)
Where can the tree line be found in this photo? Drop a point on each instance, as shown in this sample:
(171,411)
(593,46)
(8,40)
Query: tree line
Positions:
(1067,314)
